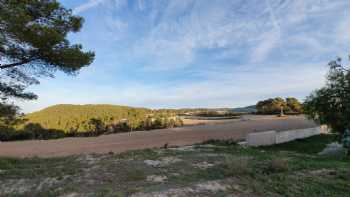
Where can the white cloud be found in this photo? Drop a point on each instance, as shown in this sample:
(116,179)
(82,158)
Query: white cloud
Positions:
(89,4)
(169,36)
(186,26)
(269,42)
(86,6)
(230,87)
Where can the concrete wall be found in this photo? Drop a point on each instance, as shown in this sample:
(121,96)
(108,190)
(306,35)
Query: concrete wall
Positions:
(273,137)
(261,138)
(325,129)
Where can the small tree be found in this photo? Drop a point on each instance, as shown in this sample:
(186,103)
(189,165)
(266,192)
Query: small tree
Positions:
(294,105)
(331,104)
(271,106)
(97,126)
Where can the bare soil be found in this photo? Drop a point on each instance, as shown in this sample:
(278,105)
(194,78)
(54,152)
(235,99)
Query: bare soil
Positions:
(187,135)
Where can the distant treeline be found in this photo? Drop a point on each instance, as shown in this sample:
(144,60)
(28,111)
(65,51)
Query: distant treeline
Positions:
(88,120)
(209,113)
(289,105)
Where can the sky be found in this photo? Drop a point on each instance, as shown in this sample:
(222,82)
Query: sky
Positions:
(199,53)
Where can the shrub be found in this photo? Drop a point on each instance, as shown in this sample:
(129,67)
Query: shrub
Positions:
(29,132)
(331,104)
(235,166)
(277,165)
(289,105)
(346,140)
(6,133)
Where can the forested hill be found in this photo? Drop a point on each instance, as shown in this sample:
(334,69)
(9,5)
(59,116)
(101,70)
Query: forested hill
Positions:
(68,117)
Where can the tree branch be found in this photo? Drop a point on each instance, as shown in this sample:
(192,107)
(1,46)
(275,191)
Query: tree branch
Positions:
(15,64)
(345,69)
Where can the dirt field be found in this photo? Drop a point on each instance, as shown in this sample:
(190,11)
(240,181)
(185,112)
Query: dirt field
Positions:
(187,135)
(192,122)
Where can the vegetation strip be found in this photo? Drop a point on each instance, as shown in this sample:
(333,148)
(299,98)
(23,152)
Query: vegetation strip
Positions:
(214,168)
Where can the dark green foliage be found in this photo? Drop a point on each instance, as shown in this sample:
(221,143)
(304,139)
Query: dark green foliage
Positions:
(29,132)
(331,104)
(86,120)
(274,105)
(346,139)
(9,117)
(270,106)
(33,43)
(8,113)
(33,33)
(293,105)
(14,90)
(92,118)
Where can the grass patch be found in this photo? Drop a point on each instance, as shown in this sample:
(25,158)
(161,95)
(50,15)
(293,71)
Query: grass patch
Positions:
(291,169)
(39,167)
(311,145)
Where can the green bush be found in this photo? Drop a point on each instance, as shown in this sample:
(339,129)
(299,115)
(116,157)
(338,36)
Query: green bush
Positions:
(331,104)
(289,105)
(29,132)
(6,133)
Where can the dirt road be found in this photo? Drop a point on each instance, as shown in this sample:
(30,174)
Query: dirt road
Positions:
(187,135)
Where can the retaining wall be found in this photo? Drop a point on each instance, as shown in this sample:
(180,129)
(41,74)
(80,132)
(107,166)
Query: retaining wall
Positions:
(272,137)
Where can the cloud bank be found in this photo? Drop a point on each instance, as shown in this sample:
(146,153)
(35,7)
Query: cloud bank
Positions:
(201,53)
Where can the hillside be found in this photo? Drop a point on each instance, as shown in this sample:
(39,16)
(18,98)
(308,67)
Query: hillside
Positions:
(247,109)
(78,118)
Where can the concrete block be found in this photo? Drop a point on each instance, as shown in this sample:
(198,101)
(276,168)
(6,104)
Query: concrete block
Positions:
(314,131)
(285,136)
(301,133)
(325,129)
(273,137)
(304,133)
(261,138)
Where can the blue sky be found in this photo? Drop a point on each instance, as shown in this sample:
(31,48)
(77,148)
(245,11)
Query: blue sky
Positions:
(204,53)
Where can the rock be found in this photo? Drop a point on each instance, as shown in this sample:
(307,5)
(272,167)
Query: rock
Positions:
(334,150)
(243,143)
(154,163)
(163,162)
(155,178)
(213,186)
(203,165)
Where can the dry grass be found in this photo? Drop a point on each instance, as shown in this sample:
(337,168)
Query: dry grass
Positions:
(277,165)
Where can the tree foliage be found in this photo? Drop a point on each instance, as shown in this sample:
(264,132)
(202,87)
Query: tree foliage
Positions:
(33,43)
(33,33)
(331,104)
(99,119)
(274,105)
(293,105)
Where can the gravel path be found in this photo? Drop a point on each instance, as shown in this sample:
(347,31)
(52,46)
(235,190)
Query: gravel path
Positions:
(187,135)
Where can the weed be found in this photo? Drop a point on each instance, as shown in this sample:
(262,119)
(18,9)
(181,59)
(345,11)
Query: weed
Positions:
(236,166)
(277,165)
